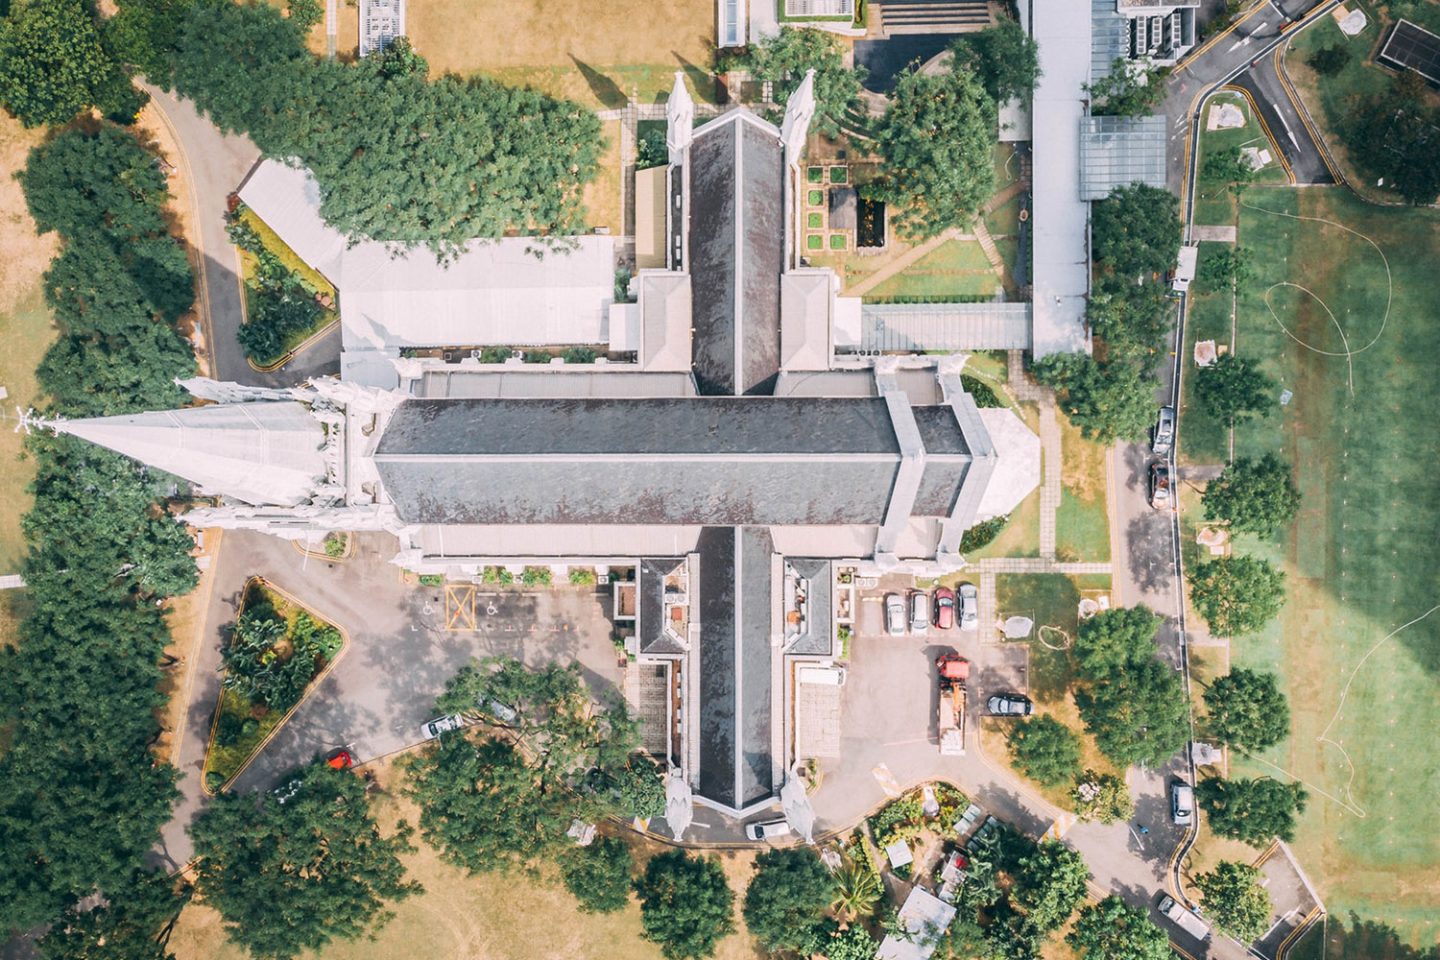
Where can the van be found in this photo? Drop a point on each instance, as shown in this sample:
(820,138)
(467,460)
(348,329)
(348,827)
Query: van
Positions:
(1182,803)
(823,676)
(1184,919)
(768,830)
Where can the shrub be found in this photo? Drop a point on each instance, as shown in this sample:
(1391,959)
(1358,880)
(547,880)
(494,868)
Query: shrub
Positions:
(579,355)
(980,391)
(582,578)
(982,534)
(437,579)
(536,577)
(336,544)
(900,819)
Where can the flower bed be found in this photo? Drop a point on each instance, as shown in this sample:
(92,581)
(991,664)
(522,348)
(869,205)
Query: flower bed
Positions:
(275,652)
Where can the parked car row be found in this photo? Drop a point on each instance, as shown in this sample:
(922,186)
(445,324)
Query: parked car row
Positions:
(944,609)
(1162,441)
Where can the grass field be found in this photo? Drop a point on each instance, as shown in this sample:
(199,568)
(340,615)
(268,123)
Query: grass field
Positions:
(1213,201)
(1207,317)
(25,329)
(1082,524)
(955,269)
(501,916)
(595,55)
(1361,558)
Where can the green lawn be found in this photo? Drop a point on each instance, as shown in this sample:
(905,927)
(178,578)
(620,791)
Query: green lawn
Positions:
(1082,524)
(1213,202)
(957,268)
(1021,535)
(1206,438)
(1361,557)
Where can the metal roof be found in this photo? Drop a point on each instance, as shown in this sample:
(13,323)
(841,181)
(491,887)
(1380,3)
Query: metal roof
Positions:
(1118,151)
(1110,37)
(1413,47)
(917,327)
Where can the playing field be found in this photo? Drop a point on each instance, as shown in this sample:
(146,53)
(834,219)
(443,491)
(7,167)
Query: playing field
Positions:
(1350,328)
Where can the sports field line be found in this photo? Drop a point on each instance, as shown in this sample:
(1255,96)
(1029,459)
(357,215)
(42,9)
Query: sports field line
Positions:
(1348,354)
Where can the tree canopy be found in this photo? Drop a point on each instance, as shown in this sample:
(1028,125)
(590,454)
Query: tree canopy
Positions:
(1225,268)
(128,927)
(1116,639)
(1107,401)
(1004,57)
(1113,930)
(1236,595)
(1138,715)
(1129,90)
(685,904)
(54,63)
(1103,797)
(479,158)
(937,140)
(1235,900)
(1255,496)
(1228,166)
(783,60)
(1046,750)
(1252,810)
(1136,230)
(293,876)
(1395,136)
(1023,891)
(599,875)
(787,899)
(1246,709)
(1235,389)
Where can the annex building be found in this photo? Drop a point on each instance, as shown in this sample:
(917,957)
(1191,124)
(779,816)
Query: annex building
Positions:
(725,451)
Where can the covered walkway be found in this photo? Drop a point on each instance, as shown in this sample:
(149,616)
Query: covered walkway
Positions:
(916,327)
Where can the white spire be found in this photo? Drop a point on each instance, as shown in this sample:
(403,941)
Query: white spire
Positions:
(679,118)
(266,452)
(799,110)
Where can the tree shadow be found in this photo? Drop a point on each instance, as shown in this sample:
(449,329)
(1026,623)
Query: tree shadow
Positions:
(1367,939)
(706,84)
(607,91)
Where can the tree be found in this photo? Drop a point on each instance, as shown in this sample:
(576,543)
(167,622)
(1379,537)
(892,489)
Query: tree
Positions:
(1116,639)
(1255,496)
(936,140)
(293,876)
(1393,135)
(1235,900)
(128,927)
(1246,709)
(1130,318)
(1234,389)
(1045,750)
(1226,268)
(1252,810)
(1108,401)
(1113,930)
(1004,57)
(1138,715)
(1236,595)
(1129,90)
(636,788)
(685,904)
(783,59)
(858,889)
(144,34)
(599,875)
(1230,167)
(1328,61)
(53,65)
(1136,231)
(787,898)
(1103,797)
(1049,885)
(484,808)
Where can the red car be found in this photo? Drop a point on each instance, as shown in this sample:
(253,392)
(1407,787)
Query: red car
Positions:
(944,615)
(341,760)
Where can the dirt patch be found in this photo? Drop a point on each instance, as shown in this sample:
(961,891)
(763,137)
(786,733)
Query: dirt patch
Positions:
(1082,465)
(22,257)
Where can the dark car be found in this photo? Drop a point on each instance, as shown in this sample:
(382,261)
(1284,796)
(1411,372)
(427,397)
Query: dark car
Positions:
(1162,436)
(1161,494)
(1010,705)
(944,608)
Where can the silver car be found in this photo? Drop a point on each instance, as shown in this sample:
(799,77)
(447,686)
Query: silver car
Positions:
(1162,437)
(969,606)
(919,611)
(433,728)
(894,615)
(1182,803)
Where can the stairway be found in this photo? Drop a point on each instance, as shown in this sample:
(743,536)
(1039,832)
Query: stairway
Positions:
(933,16)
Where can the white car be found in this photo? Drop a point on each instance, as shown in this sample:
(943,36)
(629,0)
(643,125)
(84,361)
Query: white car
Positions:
(432,729)
(894,615)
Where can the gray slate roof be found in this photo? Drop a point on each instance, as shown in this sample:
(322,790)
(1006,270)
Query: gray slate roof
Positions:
(651,586)
(737,253)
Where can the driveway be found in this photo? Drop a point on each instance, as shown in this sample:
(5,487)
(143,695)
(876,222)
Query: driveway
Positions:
(398,659)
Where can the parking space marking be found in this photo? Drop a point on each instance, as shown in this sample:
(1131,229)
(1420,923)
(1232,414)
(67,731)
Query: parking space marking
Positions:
(460,607)
(886,779)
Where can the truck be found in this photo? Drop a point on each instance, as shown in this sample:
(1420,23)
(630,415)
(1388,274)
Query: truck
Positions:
(953,670)
(1184,919)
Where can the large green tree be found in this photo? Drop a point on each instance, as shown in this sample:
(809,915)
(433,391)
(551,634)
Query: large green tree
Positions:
(783,60)
(1116,639)
(1252,810)
(1228,167)
(1138,715)
(1046,750)
(1103,797)
(1246,709)
(1131,319)
(1393,135)
(294,876)
(1049,883)
(1234,389)
(1136,231)
(53,64)
(936,139)
(787,898)
(1254,496)
(1235,900)
(130,926)
(685,904)
(1108,401)
(1113,930)
(1236,595)
(599,875)
(1004,57)
(1128,90)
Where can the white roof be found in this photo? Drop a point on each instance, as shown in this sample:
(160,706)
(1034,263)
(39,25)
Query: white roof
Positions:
(924,916)
(496,292)
(1060,218)
(806,296)
(1017,463)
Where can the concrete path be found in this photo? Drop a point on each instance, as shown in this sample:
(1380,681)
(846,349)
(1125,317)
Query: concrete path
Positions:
(1223,234)
(1050,479)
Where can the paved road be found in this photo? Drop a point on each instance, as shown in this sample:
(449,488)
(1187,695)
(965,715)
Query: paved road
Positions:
(385,683)
(215,164)
(1281,115)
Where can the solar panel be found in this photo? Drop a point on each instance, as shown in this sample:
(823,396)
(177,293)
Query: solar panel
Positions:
(1415,48)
